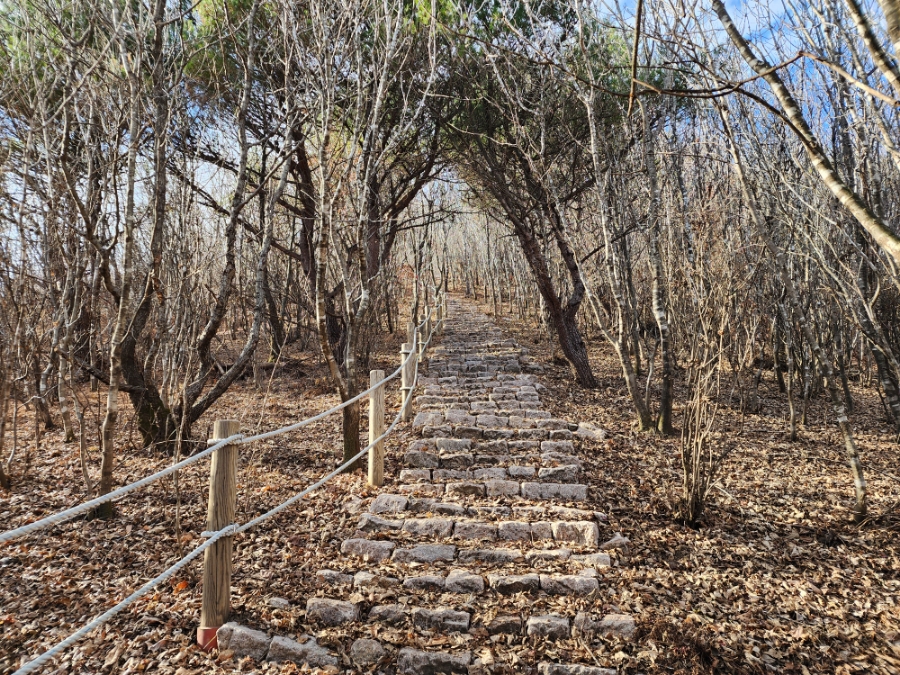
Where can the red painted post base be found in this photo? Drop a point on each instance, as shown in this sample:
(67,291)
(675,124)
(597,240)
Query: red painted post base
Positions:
(206,638)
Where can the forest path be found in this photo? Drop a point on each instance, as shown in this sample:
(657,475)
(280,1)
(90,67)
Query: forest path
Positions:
(485,546)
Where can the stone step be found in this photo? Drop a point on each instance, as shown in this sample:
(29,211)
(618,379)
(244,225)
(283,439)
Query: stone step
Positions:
(392,505)
(465,552)
(330,612)
(584,534)
(462,453)
(566,492)
(553,474)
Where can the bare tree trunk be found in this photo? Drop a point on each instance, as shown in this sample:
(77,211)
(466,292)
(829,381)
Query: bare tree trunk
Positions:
(859,508)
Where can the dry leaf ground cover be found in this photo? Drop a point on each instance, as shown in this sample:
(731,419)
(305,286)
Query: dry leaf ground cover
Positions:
(776,580)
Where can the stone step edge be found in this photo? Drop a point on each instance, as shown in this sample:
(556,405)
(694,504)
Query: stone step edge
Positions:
(374,550)
(388,504)
(332,612)
(462,581)
(578,532)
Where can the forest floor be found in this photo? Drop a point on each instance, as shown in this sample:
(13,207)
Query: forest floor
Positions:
(776,579)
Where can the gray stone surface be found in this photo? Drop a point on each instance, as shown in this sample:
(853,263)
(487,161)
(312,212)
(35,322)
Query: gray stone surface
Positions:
(243,641)
(566,491)
(517,471)
(500,488)
(389,614)
(427,419)
(370,523)
(368,549)
(466,488)
(330,612)
(364,652)
(363,579)
(490,555)
(542,529)
(459,460)
(442,619)
(533,557)
(463,581)
(582,533)
(616,625)
(453,444)
(618,541)
(419,459)
(514,583)
(514,530)
(428,553)
(568,584)
(388,503)
(435,528)
(475,531)
(415,475)
(427,582)
(278,603)
(415,662)
(595,559)
(303,651)
(559,474)
(549,625)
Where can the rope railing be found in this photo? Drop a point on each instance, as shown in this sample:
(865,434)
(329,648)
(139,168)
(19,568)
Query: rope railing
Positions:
(90,505)
(231,529)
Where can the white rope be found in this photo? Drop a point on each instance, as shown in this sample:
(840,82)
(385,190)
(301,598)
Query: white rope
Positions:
(229,530)
(76,511)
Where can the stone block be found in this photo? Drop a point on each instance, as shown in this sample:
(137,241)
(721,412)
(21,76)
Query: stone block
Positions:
(514,583)
(442,619)
(243,641)
(427,553)
(415,662)
(368,549)
(462,581)
(579,532)
(328,612)
(550,626)
(388,503)
(307,652)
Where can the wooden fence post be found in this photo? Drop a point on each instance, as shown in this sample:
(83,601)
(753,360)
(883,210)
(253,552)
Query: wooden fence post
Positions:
(376,428)
(217,558)
(440,318)
(406,377)
(410,331)
(422,336)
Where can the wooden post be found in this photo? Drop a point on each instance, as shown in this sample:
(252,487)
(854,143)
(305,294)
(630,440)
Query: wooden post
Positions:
(421,341)
(440,318)
(406,376)
(220,514)
(410,331)
(376,428)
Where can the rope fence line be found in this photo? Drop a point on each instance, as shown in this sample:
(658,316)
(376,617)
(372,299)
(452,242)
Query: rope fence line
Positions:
(89,505)
(232,529)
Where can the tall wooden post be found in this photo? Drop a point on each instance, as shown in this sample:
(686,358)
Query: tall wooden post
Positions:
(376,428)
(217,558)
(410,331)
(422,336)
(440,318)
(406,377)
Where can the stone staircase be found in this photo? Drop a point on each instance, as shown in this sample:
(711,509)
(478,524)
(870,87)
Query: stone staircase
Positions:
(489,503)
